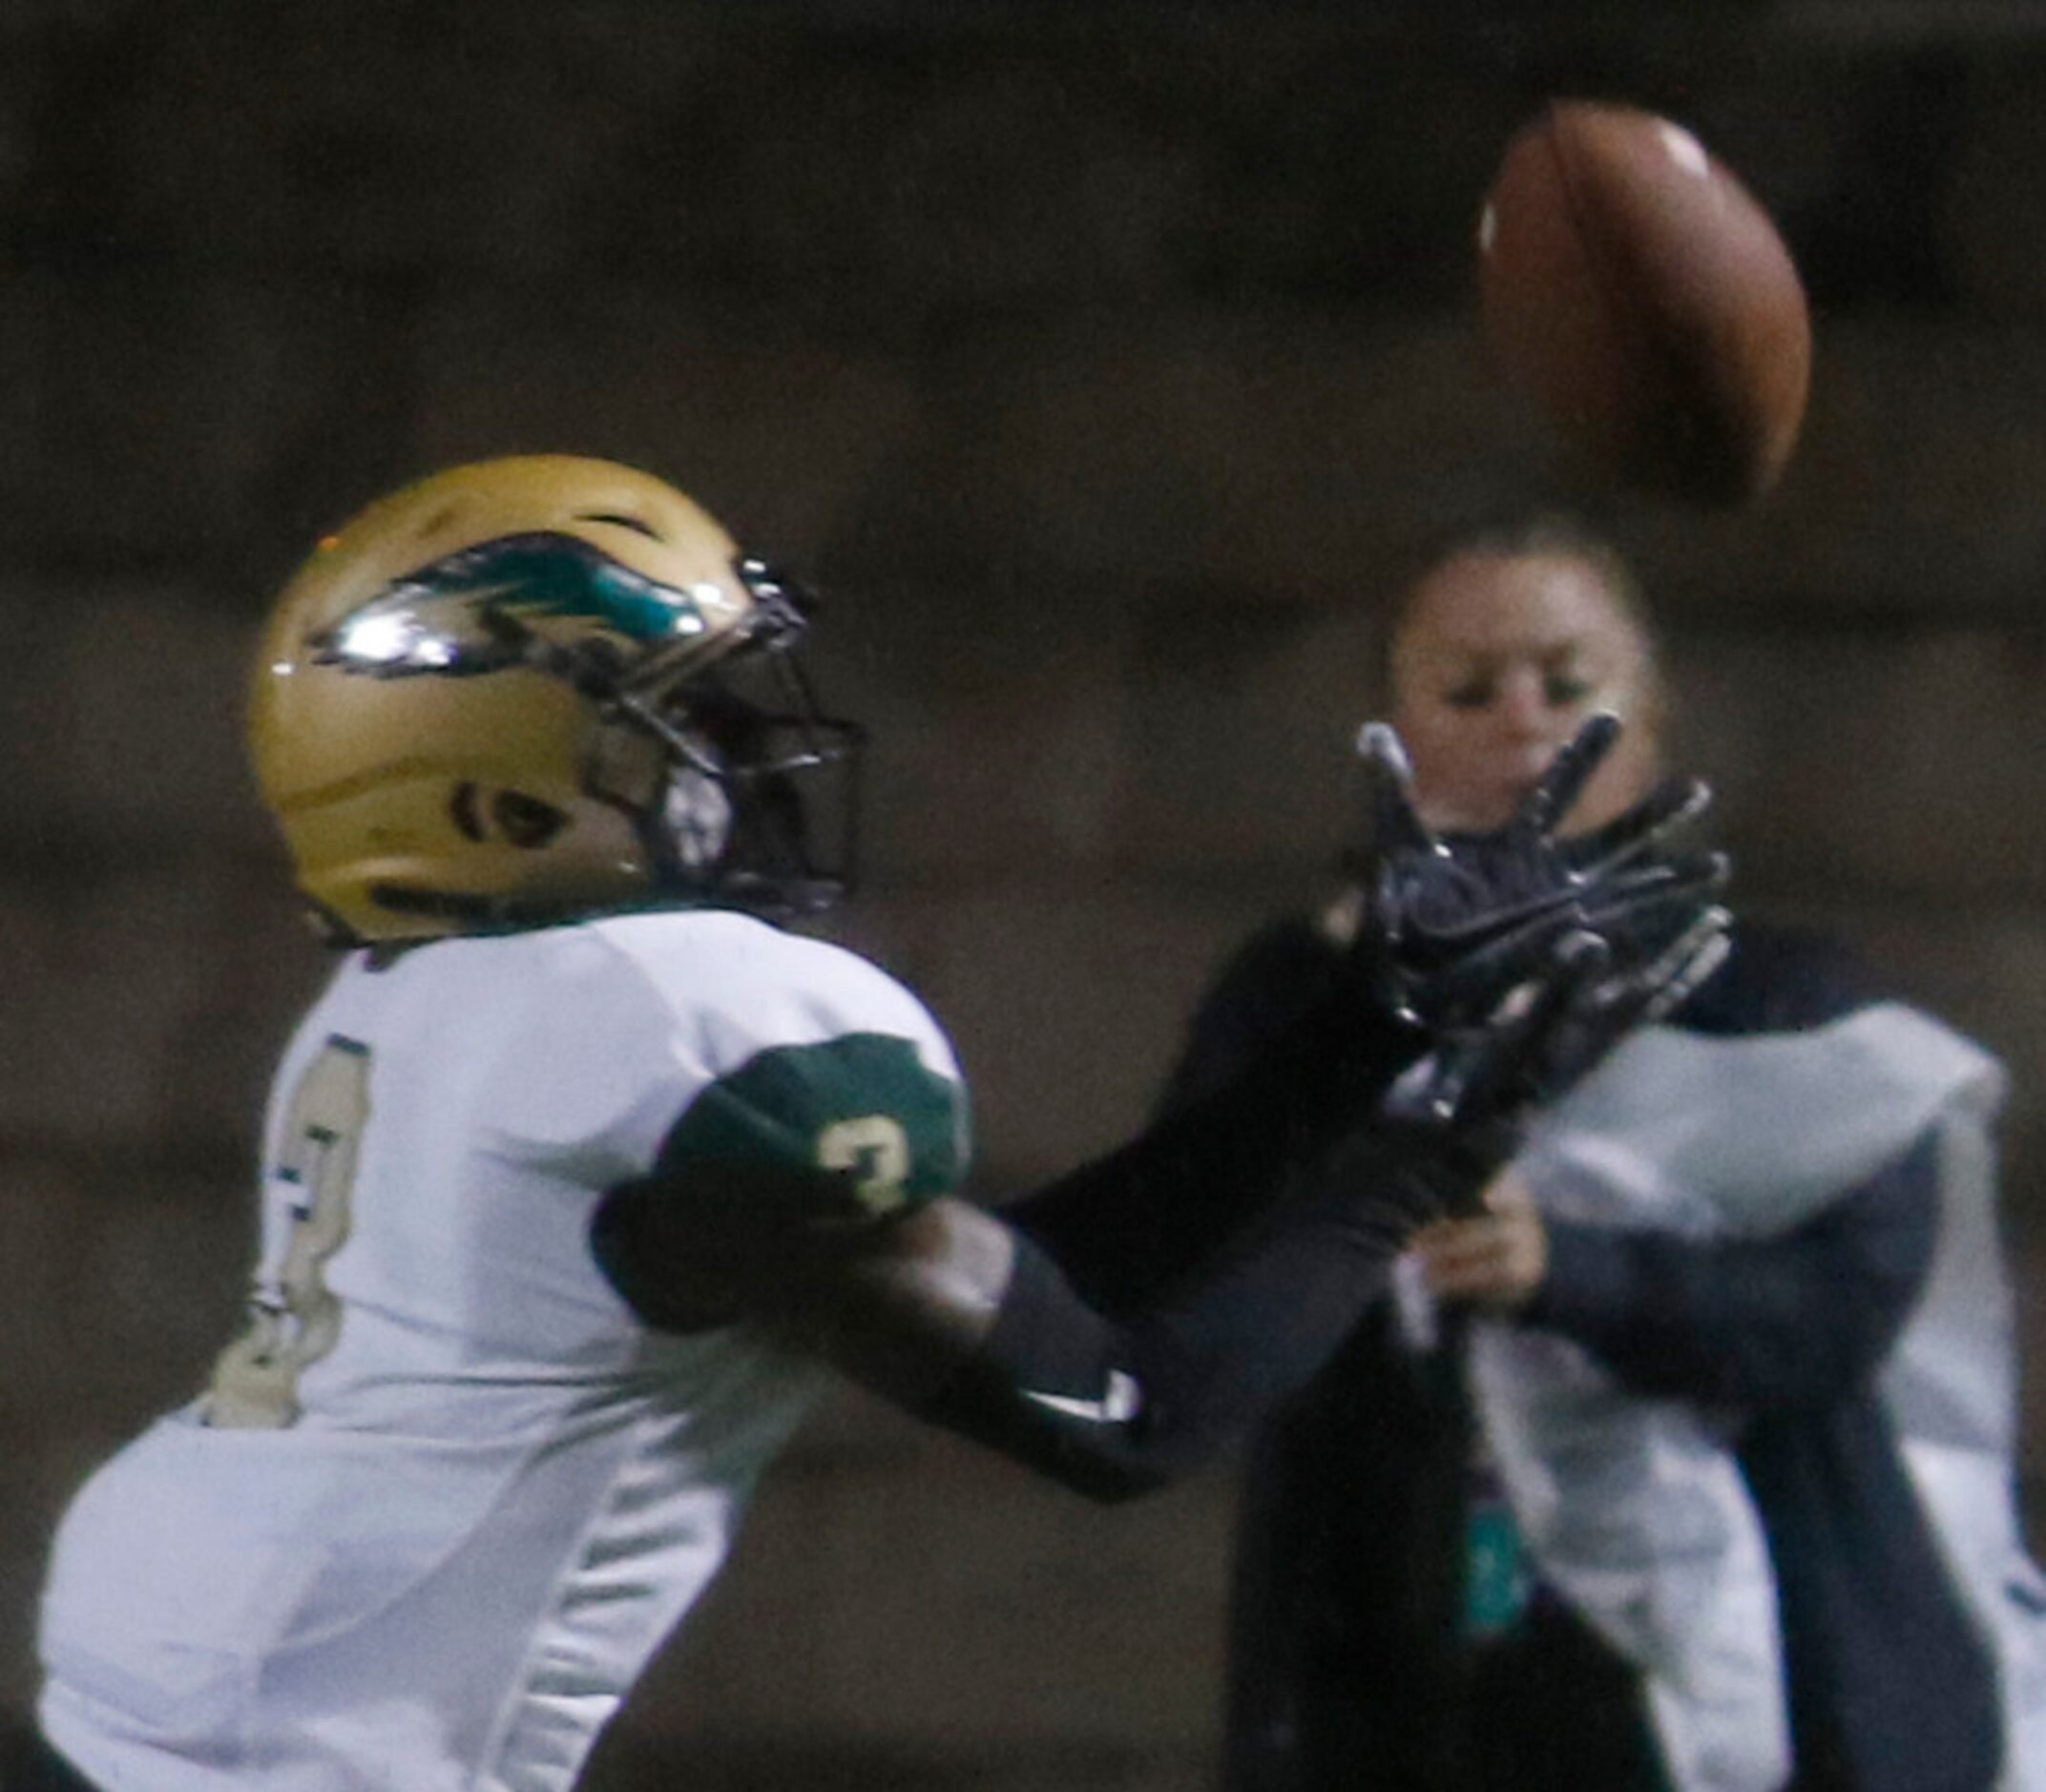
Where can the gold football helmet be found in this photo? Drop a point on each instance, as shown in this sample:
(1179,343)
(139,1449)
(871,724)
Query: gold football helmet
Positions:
(533,688)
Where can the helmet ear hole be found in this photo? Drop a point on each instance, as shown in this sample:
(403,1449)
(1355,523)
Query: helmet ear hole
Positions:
(518,819)
(525,821)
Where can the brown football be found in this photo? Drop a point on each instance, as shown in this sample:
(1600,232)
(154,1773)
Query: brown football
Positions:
(1633,287)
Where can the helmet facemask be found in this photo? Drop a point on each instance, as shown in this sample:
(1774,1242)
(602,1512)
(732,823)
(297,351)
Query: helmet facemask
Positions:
(756,803)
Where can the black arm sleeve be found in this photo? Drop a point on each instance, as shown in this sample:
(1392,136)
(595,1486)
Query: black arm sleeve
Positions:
(1139,1221)
(1113,1407)
(1789,1321)
(1265,987)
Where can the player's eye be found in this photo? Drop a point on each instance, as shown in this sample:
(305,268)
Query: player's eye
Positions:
(1561,689)
(1471,694)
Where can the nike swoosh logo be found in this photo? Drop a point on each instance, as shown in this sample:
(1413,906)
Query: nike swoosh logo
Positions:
(1121,1402)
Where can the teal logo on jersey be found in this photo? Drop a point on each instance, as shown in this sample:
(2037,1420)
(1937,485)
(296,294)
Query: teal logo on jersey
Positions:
(847,1128)
(465,615)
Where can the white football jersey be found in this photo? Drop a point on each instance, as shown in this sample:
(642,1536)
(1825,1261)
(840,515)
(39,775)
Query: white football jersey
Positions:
(445,1495)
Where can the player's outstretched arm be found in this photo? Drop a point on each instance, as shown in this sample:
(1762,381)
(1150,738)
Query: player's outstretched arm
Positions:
(1014,1333)
(959,1317)
(951,1313)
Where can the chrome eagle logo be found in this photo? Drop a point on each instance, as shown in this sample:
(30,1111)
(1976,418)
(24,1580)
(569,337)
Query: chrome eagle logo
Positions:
(478,610)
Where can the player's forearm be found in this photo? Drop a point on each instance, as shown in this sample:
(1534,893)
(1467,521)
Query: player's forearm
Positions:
(951,1314)
(1132,1225)
(1116,1406)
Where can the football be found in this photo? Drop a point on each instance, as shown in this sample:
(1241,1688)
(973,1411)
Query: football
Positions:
(1639,293)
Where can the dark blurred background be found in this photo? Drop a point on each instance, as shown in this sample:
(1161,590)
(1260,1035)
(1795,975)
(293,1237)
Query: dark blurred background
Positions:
(1100,362)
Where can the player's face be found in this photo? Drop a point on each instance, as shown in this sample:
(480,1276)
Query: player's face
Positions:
(1501,658)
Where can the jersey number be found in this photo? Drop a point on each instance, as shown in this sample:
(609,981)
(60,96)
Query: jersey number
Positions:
(876,1149)
(294,1320)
